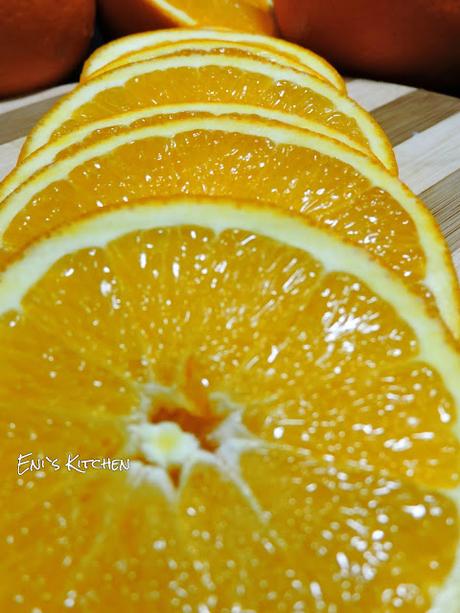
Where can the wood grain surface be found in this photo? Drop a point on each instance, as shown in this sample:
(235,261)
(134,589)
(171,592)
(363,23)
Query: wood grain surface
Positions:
(424,128)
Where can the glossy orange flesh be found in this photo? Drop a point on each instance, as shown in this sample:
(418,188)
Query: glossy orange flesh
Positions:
(351,435)
(225,84)
(200,162)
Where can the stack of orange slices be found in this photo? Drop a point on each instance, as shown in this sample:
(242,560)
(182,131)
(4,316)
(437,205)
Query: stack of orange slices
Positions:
(229,366)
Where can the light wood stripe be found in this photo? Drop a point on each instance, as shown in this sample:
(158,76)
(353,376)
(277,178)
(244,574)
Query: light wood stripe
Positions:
(456,258)
(15,103)
(8,155)
(18,122)
(443,199)
(413,113)
(431,156)
(372,94)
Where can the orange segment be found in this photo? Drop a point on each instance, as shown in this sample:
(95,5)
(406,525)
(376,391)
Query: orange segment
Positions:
(120,47)
(211,78)
(148,568)
(353,531)
(331,184)
(210,46)
(225,507)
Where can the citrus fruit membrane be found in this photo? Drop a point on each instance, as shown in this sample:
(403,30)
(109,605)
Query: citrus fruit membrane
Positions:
(211,78)
(288,408)
(126,45)
(337,187)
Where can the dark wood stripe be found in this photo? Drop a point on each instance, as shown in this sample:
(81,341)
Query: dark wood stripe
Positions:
(18,122)
(414,112)
(443,199)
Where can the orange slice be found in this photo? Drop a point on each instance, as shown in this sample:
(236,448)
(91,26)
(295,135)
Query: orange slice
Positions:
(121,47)
(188,47)
(211,78)
(336,186)
(288,408)
(139,15)
(149,116)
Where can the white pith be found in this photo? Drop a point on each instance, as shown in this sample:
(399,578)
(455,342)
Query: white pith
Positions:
(165,446)
(209,46)
(165,443)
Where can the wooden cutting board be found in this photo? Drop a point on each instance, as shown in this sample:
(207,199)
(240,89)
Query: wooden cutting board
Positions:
(424,128)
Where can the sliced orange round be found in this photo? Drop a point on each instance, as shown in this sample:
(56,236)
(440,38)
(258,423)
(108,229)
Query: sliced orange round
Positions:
(149,116)
(243,158)
(120,47)
(287,407)
(211,78)
(122,17)
(207,46)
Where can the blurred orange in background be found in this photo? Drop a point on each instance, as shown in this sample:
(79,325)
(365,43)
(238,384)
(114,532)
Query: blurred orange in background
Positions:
(415,41)
(126,17)
(41,41)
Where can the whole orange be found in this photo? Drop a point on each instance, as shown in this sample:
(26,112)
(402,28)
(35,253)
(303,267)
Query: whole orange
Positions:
(416,40)
(41,41)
